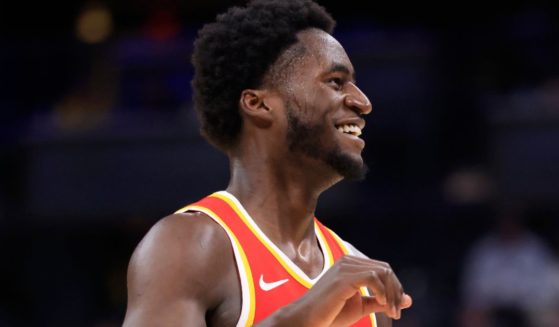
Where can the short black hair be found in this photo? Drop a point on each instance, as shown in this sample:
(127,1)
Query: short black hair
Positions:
(235,52)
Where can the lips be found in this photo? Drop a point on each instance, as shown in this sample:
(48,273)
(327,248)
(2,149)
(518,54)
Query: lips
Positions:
(351,126)
(351,129)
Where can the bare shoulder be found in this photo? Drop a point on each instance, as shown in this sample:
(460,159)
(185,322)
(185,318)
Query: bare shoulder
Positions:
(175,270)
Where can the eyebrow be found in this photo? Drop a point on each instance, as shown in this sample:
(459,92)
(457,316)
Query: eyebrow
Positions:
(338,67)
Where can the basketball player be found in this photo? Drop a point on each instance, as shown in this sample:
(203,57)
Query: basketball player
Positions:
(276,92)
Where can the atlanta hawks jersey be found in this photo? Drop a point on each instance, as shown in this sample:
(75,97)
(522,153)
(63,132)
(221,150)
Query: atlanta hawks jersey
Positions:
(269,279)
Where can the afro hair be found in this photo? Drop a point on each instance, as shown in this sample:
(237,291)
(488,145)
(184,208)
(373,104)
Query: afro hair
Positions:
(235,52)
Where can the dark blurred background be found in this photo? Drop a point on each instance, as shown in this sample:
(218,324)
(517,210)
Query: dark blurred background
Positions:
(99,140)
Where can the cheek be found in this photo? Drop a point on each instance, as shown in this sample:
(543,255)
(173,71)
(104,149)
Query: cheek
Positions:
(314,102)
(320,103)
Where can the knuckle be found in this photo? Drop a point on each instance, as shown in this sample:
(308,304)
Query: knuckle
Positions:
(343,263)
(384,264)
(343,260)
(388,271)
(341,280)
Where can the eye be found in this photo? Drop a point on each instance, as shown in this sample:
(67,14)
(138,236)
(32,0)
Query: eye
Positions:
(336,83)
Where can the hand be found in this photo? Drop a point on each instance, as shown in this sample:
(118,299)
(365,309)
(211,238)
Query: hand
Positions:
(335,299)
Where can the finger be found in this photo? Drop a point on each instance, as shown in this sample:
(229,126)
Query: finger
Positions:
(372,280)
(379,277)
(394,292)
(367,261)
(406,302)
(380,280)
(392,286)
(389,291)
(371,304)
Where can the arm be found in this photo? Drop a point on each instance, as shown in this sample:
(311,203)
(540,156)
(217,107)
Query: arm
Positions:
(176,275)
(173,273)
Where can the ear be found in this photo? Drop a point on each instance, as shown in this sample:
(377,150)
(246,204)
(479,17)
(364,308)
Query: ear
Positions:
(253,106)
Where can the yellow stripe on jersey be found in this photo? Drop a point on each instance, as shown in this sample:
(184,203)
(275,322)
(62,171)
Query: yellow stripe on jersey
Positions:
(323,241)
(246,220)
(249,282)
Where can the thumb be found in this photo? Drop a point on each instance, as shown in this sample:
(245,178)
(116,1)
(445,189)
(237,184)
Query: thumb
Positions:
(406,302)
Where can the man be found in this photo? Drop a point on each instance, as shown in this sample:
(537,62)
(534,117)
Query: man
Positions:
(276,92)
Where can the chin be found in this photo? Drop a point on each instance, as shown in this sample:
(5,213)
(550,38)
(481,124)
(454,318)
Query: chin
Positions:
(349,167)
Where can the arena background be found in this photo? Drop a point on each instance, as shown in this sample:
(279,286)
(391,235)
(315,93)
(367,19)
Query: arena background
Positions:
(99,140)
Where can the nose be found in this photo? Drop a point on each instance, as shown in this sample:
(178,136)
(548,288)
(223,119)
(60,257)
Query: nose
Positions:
(356,100)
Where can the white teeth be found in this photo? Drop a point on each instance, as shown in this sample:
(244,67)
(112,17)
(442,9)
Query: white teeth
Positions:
(356,131)
(350,129)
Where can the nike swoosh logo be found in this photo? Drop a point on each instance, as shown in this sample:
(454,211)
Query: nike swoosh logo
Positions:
(270,286)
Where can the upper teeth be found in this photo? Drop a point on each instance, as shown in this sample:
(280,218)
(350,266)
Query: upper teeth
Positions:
(350,129)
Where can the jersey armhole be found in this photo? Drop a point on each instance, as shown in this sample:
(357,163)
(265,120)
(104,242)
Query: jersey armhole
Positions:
(246,317)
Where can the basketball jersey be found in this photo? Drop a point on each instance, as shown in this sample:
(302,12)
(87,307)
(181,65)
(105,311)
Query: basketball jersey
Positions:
(269,279)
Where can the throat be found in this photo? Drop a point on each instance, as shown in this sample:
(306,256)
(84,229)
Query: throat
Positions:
(308,257)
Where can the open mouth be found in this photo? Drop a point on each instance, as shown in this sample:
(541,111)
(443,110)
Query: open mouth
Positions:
(351,129)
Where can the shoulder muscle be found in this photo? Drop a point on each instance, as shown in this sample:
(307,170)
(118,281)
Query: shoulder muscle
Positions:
(173,273)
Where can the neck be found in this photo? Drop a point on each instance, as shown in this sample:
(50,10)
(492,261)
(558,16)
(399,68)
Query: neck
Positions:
(281,198)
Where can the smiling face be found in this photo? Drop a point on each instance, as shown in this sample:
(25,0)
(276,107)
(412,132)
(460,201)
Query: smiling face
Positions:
(323,105)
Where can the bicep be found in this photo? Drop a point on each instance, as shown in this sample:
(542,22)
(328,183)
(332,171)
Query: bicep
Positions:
(170,313)
(164,287)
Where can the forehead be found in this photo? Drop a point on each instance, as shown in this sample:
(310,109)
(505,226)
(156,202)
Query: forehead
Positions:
(323,50)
